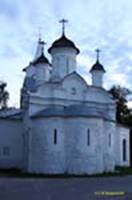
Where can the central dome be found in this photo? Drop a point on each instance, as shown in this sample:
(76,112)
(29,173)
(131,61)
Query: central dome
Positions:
(63,42)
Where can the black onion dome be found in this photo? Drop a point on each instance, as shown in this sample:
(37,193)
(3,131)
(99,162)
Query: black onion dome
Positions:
(63,42)
(97,67)
(41,59)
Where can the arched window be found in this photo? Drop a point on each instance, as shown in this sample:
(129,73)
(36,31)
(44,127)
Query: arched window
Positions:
(124,150)
(6,151)
(55,136)
(88,137)
(67,65)
(109,140)
(73,90)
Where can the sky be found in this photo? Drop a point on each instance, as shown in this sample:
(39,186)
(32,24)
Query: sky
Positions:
(103,24)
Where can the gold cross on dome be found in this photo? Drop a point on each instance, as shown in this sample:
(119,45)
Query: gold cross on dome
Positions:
(98,53)
(63,22)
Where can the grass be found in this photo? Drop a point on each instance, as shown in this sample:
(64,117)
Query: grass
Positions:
(124,170)
(13,172)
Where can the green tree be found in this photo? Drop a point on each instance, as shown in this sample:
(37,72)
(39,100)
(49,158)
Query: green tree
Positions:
(4,95)
(120,95)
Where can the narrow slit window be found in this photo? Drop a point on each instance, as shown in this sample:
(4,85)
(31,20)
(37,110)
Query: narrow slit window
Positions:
(55,136)
(73,91)
(88,137)
(124,149)
(109,142)
(6,151)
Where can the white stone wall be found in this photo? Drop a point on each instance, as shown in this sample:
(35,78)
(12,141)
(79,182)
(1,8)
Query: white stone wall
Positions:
(122,133)
(30,71)
(109,145)
(83,158)
(46,157)
(63,61)
(97,78)
(11,143)
(42,72)
(71,154)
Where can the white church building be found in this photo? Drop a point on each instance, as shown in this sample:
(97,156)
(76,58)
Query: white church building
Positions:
(64,125)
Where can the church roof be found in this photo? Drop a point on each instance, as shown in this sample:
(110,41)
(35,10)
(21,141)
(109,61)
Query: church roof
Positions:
(11,113)
(97,67)
(63,41)
(42,59)
(70,111)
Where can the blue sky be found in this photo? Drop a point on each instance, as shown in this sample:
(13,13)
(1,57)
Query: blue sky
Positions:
(104,24)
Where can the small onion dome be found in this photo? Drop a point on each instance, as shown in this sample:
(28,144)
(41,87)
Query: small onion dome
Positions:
(97,67)
(42,59)
(63,42)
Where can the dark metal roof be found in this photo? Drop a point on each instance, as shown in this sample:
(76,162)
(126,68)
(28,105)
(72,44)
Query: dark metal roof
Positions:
(70,111)
(97,67)
(63,42)
(11,113)
(41,59)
